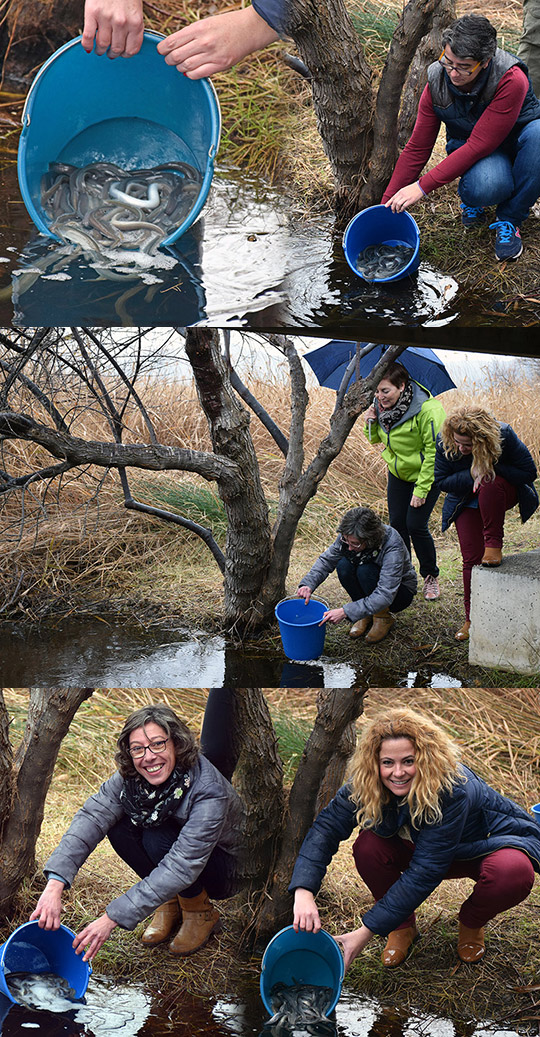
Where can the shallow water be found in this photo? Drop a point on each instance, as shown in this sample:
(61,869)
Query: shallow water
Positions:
(129,1010)
(89,651)
(252,260)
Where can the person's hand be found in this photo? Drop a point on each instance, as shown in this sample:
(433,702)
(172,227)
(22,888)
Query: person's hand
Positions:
(306,915)
(93,937)
(304,592)
(477,483)
(371,413)
(116,26)
(416,502)
(216,43)
(405,197)
(333,616)
(353,943)
(49,906)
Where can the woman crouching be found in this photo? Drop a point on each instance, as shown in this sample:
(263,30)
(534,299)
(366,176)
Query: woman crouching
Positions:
(174,819)
(374,567)
(423,818)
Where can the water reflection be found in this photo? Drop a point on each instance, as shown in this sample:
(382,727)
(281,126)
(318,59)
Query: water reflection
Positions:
(93,651)
(130,1010)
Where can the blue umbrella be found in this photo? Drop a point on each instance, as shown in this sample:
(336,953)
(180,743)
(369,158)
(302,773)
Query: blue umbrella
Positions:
(329,364)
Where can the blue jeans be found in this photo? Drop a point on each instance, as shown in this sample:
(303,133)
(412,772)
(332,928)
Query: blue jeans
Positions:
(361,580)
(508,178)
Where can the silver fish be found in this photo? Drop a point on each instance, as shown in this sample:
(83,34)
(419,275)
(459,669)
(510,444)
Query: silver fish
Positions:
(300,1006)
(43,990)
(381,261)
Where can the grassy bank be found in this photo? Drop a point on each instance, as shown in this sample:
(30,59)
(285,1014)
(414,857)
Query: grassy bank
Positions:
(500,738)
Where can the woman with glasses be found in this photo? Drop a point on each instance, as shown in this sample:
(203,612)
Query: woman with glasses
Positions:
(485,470)
(484,97)
(406,418)
(174,819)
(374,567)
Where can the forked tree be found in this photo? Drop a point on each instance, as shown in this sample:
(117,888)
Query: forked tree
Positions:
(55,383)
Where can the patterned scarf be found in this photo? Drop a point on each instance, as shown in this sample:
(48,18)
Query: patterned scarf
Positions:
(149,805)
(369,554)
(388,418)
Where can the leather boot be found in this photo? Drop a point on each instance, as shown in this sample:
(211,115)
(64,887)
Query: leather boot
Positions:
(360,627)
(492,557)
(382,623)
(470,946)
(463,633)
(162,924)
(199,920)
(398,946)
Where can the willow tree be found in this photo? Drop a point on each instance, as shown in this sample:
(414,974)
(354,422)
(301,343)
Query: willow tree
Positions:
(78,397)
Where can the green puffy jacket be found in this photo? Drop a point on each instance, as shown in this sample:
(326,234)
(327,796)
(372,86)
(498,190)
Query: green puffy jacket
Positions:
(410,445)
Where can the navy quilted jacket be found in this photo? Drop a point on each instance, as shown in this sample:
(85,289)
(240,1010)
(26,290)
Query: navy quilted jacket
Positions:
(476,821)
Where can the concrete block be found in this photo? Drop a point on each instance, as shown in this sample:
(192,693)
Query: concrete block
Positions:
(505,614)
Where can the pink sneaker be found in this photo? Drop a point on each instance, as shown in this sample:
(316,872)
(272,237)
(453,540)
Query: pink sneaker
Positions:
(431,588)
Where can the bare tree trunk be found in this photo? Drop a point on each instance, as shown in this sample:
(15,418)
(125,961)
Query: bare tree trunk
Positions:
(248,532)
(6,766)
(428,50)
(334,774)
(259,781)
(50,713)
(336,710)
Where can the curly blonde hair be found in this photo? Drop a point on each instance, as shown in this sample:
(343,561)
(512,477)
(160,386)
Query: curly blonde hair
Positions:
(436,759)
(485,433)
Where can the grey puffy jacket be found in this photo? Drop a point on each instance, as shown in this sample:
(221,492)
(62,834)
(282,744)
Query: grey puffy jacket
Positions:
(211,813)
(394,562)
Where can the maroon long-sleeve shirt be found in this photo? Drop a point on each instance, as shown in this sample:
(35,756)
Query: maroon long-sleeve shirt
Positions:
(492,127)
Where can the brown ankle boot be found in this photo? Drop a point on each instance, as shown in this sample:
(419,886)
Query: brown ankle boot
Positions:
(492,557)
(360,627)
(199,920)
(398,945)
(382,623)
(470,946)
(162,924)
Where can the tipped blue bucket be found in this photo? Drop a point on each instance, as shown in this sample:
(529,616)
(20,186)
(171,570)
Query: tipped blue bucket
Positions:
(536,811)
(135,112)
(313,959)
(31,949)
(380,226)
(301,636)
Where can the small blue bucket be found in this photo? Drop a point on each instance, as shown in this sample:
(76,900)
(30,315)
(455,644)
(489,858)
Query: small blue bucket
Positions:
(301,636)
(314,959)
(31,949)
(380,226)
(136,112)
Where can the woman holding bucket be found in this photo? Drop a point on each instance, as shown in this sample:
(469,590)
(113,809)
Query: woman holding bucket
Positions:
(485,470)
(174,819)
(406,418)
(424,817)
(374,567)
(484,97)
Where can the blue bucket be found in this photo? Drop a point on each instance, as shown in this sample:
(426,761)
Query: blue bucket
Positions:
(301,636)
(314,959)
(31,949)
(380,226)
(536,811)
(136,112)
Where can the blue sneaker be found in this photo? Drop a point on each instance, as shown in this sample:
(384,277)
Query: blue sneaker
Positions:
(471,217)
(508,243)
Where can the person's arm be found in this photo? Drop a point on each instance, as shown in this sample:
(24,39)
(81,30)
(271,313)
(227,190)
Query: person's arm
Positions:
(417,150)
(116,26)
(516,463)
(430,420)
(89,826)
(217,43)
(492,127)
(451,477)
(322,567)
(335,823)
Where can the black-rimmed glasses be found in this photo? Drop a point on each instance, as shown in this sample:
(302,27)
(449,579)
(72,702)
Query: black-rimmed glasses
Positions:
(138,751)
(463,70)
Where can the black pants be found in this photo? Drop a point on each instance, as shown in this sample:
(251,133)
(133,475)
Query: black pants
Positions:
(218,741)
(412,523)
(143,848)
(361,580)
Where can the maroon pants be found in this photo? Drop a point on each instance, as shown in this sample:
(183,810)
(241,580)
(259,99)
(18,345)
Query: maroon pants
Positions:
(502,879)
(481,527)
